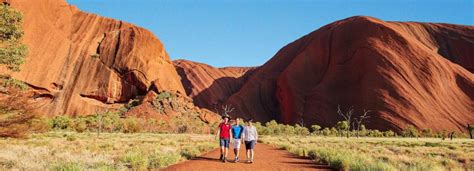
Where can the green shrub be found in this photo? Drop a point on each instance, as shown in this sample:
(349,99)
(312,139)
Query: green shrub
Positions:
(132,103)
(389,133)
(67,166)
(432,144)
(427,132)
(79,125)
(189,152)
(61,122)
(374,133)
(165,95)
(326,131)
(205,147)
(346,160)
(39,125)
(161,160)
(410,131)
(109,120)
(135,160)
(315,129)
(95,56)
(104,167)
(342,126)
(71,138)
(11,82)
(299,130)
(262,130)
(131,125)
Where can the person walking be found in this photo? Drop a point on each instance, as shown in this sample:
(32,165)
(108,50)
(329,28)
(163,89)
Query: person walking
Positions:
(236,135)
(223,132)
(250,137)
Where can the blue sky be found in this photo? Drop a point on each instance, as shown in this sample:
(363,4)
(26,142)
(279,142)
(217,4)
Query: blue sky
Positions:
(250,32)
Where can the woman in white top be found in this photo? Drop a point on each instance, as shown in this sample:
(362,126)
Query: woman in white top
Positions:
(250,137)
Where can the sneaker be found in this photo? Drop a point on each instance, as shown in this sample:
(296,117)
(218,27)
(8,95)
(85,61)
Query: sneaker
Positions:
(251,161)
(236,159)
(224,160)
(222,157)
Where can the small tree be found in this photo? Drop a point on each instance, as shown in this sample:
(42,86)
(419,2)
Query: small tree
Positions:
(347,116)
(410,131)
(343,126)
(358,121)
(427,132)
(315,129)
(12,51)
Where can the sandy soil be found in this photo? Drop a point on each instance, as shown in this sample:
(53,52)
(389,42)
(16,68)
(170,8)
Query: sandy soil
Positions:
(266,158)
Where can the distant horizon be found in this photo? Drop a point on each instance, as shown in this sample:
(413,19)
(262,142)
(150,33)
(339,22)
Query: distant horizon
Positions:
(249,33)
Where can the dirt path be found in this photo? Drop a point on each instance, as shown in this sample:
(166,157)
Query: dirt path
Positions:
(266,158)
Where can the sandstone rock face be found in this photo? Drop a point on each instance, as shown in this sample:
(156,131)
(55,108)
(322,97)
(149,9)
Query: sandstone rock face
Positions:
(209,86)
(167,106)
(87,62)
(407,73)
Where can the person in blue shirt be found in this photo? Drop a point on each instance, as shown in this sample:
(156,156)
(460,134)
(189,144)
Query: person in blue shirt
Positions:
(237,135)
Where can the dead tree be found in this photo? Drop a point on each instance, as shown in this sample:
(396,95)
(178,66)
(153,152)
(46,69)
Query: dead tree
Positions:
(347,116)
(360,120)
(470,129)
(225,110)
(100,121)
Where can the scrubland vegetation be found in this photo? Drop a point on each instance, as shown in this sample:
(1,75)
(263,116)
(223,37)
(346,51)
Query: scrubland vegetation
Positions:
(111,151)
(114,122)
(365,149)
(369,153)
(340,130)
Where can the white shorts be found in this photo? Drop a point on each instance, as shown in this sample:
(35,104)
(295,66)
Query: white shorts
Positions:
(236,143)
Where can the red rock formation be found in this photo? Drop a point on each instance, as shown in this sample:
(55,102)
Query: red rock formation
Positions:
(178,106)
(208,86)
(406,73)
(88,62)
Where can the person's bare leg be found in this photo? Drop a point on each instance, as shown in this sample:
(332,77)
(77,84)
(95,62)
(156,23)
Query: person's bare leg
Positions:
(222,152)
(251,155)
(248,155)
(225,152)
(235,154)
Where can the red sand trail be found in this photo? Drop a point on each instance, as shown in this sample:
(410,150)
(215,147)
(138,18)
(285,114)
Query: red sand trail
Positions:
(266,158)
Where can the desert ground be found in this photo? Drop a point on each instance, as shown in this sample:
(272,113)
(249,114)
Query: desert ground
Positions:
(69,150)
(79,91)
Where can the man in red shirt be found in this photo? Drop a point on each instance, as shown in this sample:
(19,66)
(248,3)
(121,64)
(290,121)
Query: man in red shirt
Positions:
(224,136)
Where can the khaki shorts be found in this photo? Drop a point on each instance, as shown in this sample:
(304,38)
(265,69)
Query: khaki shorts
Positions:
(236,143)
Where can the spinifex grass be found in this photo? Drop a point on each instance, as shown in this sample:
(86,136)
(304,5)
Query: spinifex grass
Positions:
(110,151)
(381,153)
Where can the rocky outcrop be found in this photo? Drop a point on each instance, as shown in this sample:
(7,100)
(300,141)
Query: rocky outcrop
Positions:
(407,73)
(87,62)
(168,106)
(209,86)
